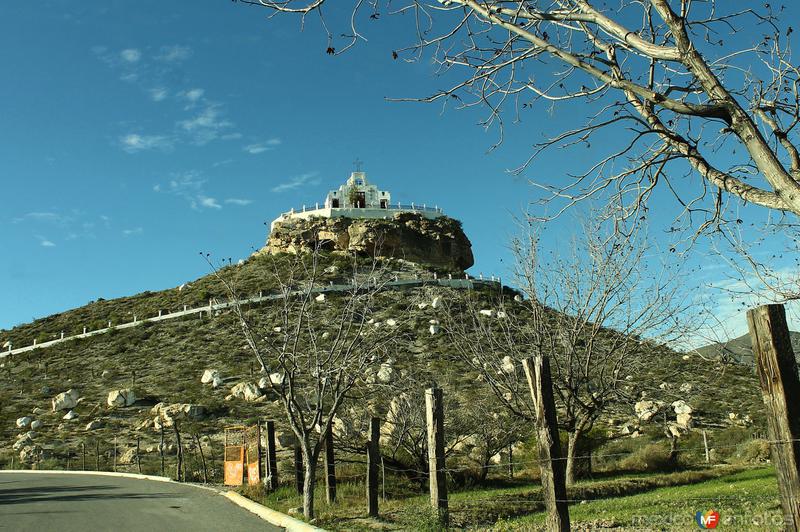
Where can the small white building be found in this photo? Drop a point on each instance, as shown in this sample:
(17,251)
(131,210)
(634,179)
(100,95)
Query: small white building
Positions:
(357,198)
(357,193)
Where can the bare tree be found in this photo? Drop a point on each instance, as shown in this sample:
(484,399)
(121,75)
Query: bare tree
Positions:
(601,312)
(315,345)
(689,88)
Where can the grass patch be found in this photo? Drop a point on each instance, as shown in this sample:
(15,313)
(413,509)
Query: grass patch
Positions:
(746,500)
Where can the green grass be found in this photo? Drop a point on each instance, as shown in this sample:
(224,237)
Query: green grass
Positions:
(517,505)
(747,500)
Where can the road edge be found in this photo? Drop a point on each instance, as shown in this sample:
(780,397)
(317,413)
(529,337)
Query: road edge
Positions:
(267,514)
(273,516)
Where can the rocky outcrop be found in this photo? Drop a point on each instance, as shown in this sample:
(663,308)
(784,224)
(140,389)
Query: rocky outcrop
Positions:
(438,242)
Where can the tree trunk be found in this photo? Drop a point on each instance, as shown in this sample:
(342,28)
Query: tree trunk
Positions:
(572,447)
(309,483)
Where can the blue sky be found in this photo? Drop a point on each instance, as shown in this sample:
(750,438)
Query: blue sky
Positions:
(135,135)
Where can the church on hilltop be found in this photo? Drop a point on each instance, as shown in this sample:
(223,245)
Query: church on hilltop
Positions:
(358,198)
(360,218)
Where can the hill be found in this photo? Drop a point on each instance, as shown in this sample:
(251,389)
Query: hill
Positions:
(740,350)
(162,363)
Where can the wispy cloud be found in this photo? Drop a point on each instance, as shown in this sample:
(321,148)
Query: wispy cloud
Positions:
(261,147)
(309,178)
(134,231)
(158,94)
(238,201)
(173,53)
(133,142)
(192,95)
(130,55)
(209,203)
(45,242)
(40,216)
(191,187)
(206,125)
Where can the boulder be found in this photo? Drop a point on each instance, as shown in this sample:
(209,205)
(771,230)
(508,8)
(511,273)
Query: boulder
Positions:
(120,398)
(433,329)
(247,391)
(681,407)
(684,421)
(320,298)
(518,298)
(386,373)
(28,454)
(65,400)
(70,415)
(23,441)
(36,425)
(391,322)
(486,312)
(507,365)
(23,422)
(436,302)
(217,382)
(209,376)
(646,410)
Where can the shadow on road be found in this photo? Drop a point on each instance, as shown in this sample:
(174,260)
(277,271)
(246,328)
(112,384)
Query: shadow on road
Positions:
(46,493)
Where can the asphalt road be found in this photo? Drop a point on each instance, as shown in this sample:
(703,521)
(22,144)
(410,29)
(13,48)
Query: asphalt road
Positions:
(42,502)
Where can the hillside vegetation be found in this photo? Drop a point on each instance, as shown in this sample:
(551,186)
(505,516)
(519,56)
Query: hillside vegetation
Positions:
(163,363)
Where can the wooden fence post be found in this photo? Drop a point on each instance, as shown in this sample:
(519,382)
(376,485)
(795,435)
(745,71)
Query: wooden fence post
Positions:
(272,461)
(179,453)
(434,410)
(372,466)
(299,474)
(161,449)
(551,464)
(138,457)
(330,468)
(780,388)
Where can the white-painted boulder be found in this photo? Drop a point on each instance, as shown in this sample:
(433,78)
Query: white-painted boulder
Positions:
(65,400)
(23,422)
(121,398)
(391,322)
(386,373)
(36,424)
(277,378)
(433,329)
(247,391)
(209,376)
(486,312)
(93,425)
(70,415)
(681,407)
(518,298)
(320,298)
(436,302)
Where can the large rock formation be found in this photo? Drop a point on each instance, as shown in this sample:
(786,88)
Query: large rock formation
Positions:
(438,242)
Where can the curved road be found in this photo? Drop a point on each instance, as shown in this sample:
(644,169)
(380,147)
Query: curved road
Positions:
(42,502)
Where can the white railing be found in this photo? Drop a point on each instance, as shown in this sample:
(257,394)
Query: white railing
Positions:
(449,280)
(396,207)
